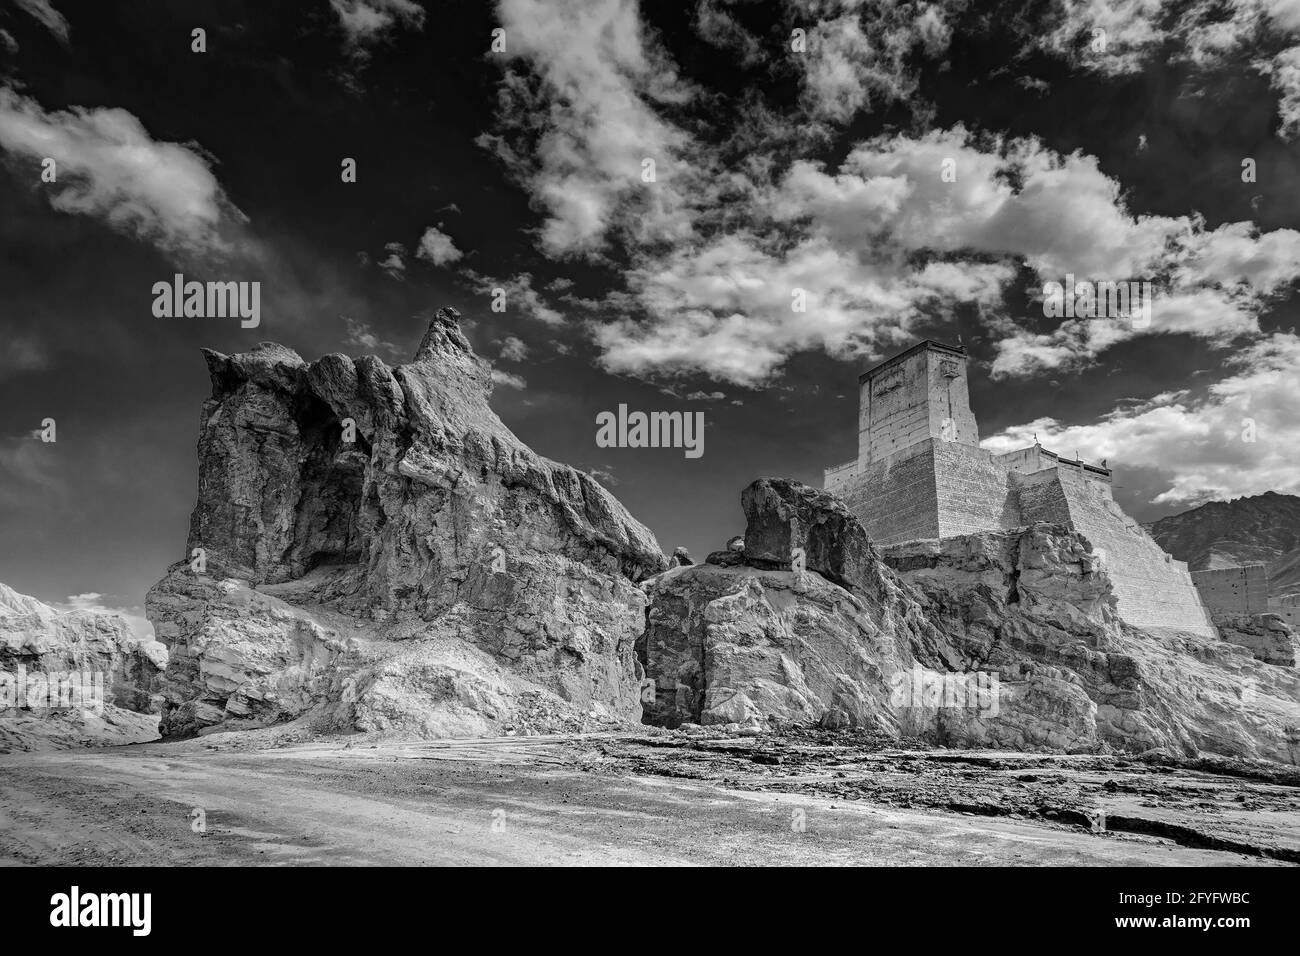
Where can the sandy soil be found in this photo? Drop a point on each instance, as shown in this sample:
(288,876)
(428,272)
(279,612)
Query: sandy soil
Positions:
(665,799)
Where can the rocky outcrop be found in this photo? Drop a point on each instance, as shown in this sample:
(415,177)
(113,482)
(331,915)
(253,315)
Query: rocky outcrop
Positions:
(359,526)
(1268,638)
(74,678)
(1001,639)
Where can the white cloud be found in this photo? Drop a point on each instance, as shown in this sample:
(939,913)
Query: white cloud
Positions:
(362,335)
(50,18)
(705,396)
(1284,72)
(876,247)
(520,296)
(436,247)
(507,379)
(866,51)
(393,263)
(368,21)
(600,79)
(1208,34)
(1197,445)
(513,349)
(109,167)
(850,239)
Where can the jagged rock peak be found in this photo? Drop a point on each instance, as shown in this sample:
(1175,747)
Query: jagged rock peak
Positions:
(443,335)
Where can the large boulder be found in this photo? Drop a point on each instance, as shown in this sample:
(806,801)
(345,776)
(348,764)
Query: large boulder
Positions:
(348,510)
(74,677)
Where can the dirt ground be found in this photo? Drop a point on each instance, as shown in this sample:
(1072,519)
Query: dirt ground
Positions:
(633,799)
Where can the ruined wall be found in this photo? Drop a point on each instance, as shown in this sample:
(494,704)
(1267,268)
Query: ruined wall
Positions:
(1239,590)
(1153,589)
(1287,612)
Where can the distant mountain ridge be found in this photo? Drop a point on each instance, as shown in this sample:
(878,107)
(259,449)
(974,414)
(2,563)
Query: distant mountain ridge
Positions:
(1263,528)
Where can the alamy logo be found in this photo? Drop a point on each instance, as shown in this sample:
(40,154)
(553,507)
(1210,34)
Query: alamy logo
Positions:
(1098,300)
(55,690)
(656,430)
(950,690)
(103,909)
(208,300)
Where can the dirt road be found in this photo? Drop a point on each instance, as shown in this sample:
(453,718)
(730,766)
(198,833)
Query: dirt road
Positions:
(609,800)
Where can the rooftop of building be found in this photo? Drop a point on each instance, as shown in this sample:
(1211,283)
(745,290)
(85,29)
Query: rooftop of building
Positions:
(958,350)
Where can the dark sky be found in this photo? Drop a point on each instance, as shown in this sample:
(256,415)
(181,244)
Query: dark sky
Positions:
(479,146)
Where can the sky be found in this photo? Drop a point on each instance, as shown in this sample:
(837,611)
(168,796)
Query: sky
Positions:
(654,187)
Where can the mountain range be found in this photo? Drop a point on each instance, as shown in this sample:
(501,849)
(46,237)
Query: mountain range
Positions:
(1263,528)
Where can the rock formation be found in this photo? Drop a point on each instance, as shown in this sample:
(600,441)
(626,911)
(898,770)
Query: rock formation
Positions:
(374,548)
(996,639)
(103,676)
(1266,636)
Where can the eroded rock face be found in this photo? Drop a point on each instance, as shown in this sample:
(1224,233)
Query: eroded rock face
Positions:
(1036,606)
(347,508)
(1000,639)
(107,678)
(1269,638)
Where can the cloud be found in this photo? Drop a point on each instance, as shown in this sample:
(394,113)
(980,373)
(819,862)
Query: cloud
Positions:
(884,242)
(393,263)
(599,78)
(519,296)
(507,379)
(1284,72)
(748,253)
(514,349)
(1120,37)
(865,52)
(366,22)
(705,396)
(437,247)
(716,26)
(50,18)
(8,42)
(361,334)
(110,168)
(1198,446)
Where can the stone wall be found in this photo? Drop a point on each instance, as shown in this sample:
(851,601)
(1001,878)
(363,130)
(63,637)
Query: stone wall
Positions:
(917,395)
(1153,589)
(973,492)
(1239,590)
(895,498)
